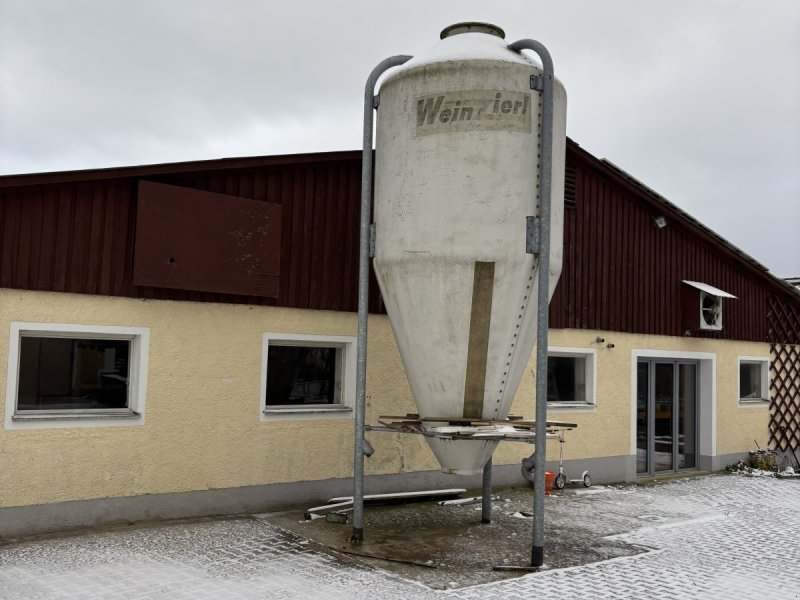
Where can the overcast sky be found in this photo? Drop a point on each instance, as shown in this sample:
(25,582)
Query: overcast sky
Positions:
(699,100)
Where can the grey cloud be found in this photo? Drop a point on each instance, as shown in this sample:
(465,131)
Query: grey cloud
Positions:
(701,101)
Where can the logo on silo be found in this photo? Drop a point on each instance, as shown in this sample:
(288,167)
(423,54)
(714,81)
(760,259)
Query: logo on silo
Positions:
(473,110)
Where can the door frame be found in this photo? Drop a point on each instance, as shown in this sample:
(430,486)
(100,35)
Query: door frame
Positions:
(706,427)
(675,363)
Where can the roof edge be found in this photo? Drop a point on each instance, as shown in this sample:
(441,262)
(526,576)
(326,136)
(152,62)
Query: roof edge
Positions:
(615,171)
(216,164)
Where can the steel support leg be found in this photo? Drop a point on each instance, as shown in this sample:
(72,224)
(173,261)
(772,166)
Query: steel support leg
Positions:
(486,497)
(363,294)
(543,292)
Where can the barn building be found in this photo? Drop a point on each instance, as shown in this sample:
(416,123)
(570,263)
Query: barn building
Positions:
(179,340)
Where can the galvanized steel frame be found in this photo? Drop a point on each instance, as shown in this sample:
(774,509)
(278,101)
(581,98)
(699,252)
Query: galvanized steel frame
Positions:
(545,84)
(360,448)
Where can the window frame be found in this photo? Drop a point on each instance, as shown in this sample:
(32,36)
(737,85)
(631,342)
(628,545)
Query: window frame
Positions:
(590,377)
(764,363)
(346,367)
(133,414)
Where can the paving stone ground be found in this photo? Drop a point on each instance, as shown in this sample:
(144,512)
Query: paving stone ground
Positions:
(739,538)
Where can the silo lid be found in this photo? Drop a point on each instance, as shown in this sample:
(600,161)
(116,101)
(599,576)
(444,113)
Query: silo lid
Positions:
(472,27)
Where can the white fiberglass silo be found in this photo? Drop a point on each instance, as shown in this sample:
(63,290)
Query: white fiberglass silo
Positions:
(456,176)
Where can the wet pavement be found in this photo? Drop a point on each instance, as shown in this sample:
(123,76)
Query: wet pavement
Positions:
(709,537)
(464,550)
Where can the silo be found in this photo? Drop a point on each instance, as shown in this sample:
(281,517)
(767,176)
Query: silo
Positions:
(456,175)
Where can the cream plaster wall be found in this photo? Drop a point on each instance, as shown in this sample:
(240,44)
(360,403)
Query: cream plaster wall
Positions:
(608,430)
(201,425)
(739,426)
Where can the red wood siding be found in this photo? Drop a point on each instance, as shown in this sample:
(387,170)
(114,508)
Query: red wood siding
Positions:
(622,273)
(78,235)
(75,232)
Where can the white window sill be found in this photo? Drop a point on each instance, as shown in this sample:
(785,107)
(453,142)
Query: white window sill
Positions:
(306,409)
(91,414)
(74,419)
(275,413)
(753,403)
(571,407)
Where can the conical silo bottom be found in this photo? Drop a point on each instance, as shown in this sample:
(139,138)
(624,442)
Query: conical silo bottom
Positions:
(462,457)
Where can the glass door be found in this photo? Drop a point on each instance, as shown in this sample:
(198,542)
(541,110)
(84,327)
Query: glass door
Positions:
(664,401)
(666,416)
(642,417)
(687,415)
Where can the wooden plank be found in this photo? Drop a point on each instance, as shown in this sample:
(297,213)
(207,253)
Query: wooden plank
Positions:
(44,279)
(125,232)
(321,211)
(603,259)
(327,280)
(351,232)
(478,345)
(516,568)
(27,239)
(411,417)
(386,558)
(306,248)
(94,251)
(7,204)
(515,423)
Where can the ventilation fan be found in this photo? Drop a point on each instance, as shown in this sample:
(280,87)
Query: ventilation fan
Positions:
(710,311)
(708,299)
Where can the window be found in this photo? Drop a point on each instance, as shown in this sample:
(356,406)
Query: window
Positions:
(570,377)
(71,373)
(753,379)
(307,376)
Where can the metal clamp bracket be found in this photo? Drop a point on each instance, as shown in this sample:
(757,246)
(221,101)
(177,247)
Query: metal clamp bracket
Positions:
(537,83)
(532,239)
(371,241)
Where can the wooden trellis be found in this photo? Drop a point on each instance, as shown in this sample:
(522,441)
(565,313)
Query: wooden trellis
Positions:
(784,333)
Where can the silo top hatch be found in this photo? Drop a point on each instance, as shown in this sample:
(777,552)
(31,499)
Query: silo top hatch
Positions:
(472,27)
(465,42)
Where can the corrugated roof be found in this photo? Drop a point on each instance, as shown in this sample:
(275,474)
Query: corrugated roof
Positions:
(217,164)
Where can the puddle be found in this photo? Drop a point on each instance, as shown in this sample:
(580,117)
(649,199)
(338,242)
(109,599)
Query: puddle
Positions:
(464,549)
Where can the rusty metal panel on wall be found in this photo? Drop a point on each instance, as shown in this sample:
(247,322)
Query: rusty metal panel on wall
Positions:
(190,239)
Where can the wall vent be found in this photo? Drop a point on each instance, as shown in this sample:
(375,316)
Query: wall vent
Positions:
(570,176)
(710,311)
(702,306)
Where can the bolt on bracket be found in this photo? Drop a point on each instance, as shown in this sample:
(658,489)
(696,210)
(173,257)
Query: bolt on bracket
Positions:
(532,235)
(371,241)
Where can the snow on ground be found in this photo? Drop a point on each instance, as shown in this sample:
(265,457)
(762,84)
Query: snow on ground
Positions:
(738,538)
